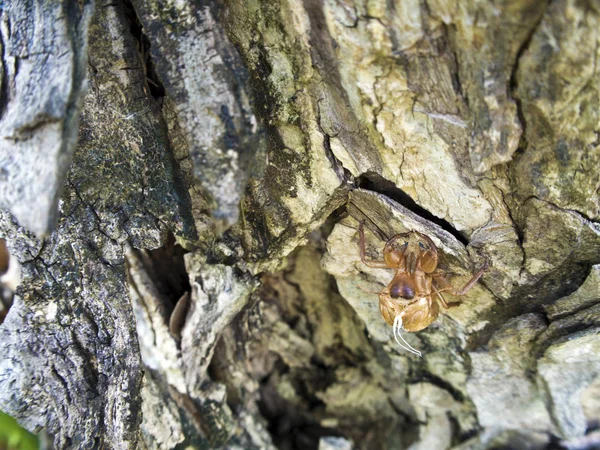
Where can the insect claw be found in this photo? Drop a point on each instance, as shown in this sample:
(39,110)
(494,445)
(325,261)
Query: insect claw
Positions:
(397,327)
(415,264)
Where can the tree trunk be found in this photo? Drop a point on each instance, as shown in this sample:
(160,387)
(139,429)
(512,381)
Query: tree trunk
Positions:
(183,184)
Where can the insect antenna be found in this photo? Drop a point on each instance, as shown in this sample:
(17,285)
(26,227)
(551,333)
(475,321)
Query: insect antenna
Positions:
(368,292)
(397,334)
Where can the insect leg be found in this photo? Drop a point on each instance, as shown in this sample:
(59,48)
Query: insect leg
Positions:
(440,296)
(369,292)
(448,287)
(372,263)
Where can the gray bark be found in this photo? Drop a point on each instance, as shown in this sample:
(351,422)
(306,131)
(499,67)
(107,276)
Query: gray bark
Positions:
(199,283)
(44,51)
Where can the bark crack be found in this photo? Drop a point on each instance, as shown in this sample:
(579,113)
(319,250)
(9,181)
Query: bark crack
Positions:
(582,216)
(343,174)
(512,87)
(376,183)
(155,85)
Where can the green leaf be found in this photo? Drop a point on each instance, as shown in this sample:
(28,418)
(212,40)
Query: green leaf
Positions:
(13,437)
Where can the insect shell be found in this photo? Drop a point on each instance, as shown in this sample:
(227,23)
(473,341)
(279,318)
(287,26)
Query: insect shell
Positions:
(412,299)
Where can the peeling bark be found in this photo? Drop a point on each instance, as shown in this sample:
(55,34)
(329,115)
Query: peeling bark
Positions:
(199,282)
(42,78)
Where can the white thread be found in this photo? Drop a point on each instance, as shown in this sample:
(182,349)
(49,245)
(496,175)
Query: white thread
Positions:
(397,329)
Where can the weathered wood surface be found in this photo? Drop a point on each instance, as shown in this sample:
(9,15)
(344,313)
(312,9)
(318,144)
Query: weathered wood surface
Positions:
(226,153)
(44,51)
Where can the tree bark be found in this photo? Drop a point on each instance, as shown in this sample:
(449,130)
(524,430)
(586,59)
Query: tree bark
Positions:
(183,184)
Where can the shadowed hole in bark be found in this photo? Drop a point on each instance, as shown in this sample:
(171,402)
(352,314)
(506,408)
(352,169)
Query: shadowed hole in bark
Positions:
(9,279)
(293,343)
(291,427)
(375,183)
(166,268)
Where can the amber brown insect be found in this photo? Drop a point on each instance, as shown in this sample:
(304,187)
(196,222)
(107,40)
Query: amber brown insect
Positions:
(411,302)
(4,257)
